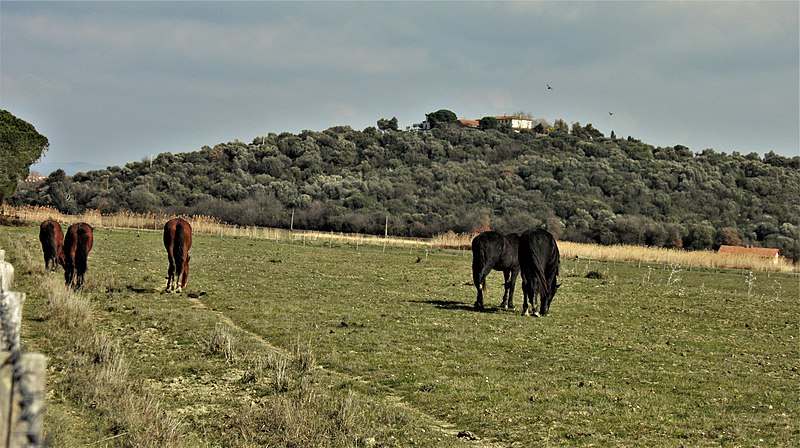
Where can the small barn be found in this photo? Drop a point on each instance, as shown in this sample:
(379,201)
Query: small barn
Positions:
(761,252)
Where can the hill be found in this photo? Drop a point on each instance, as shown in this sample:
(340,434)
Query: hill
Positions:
(580,184)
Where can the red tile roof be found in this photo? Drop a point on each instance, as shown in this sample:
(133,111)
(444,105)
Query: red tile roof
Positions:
(766,252)
(512,117)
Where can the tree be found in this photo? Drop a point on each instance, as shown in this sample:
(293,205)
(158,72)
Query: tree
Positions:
(488,123)
(727,236)
(20,147)
(387,125)
(441,116)
(560,126)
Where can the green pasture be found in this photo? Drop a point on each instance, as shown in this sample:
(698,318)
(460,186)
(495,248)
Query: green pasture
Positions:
(642,356)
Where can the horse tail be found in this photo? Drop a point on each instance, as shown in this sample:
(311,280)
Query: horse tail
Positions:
(177,249)
(82,251)
(48,239)
(478,262)
(539,267)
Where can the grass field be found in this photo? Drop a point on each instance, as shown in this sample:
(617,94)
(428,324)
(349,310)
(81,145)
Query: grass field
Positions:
(284,344)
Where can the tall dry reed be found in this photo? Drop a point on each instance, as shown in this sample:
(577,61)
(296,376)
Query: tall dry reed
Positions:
(449,240)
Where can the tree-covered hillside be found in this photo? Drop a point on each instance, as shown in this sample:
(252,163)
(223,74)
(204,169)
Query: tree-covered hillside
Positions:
(580,184)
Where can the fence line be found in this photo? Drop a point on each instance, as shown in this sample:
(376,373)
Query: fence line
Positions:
(21,374)
(449,240)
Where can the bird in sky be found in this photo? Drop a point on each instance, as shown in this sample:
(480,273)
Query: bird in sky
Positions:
(548,87)
(610,113)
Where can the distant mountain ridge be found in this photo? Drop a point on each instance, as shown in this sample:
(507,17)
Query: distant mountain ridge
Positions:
(70,168)
(577,182)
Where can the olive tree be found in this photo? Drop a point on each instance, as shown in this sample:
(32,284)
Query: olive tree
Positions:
(20,147)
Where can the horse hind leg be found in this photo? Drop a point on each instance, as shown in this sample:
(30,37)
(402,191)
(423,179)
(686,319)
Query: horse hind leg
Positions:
(170,276)
(479,299)
(529,291)
(177,275)
(525,296)
(508,295)
(480,284)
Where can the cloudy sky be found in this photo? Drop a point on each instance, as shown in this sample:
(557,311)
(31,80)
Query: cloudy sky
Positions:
(114,82)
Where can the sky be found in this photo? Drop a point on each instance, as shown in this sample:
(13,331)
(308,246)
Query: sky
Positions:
(115,82)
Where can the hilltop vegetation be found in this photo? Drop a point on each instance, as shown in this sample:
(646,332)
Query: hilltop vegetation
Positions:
(582,185)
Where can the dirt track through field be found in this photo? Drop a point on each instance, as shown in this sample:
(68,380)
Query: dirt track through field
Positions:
(442,426)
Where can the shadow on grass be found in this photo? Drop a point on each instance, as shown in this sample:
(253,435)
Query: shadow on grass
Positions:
(453,305)
(137,290)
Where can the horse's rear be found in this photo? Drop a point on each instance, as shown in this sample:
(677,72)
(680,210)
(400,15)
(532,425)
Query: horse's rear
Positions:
(78,243)
(539,261)
(52,238)
(177,241)
(493,250)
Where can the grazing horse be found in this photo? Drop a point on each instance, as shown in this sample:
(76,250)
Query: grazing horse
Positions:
(52,238)
(493,250)
(539,261)
(77,244)
(177,241)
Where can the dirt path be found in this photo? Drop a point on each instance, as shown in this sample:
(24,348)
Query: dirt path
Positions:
(444,427)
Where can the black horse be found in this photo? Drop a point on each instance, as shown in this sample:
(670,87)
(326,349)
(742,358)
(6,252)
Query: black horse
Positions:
(493,250)
(539,261)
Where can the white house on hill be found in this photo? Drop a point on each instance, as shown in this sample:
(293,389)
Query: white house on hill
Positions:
(515,122)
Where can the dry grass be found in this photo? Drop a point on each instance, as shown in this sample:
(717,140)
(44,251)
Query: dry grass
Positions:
(207,225)
(222,342)
(661,256)
(64,307)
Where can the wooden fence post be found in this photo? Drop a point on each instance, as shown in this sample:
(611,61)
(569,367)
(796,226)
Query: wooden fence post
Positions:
(6,273)
(21,374)
(10,318)
(21,399)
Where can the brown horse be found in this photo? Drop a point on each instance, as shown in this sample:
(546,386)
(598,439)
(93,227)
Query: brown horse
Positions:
(77,244)
(52,238)
(177,241)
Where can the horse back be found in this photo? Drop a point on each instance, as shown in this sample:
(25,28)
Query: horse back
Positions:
(495,249)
